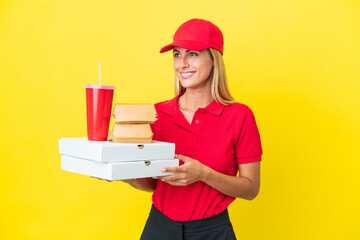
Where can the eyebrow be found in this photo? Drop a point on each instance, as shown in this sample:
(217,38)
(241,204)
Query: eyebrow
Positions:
(185,51)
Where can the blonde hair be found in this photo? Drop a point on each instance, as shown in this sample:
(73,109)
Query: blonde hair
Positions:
(219,88)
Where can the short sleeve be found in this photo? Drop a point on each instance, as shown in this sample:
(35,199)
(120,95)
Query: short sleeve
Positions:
(248,146)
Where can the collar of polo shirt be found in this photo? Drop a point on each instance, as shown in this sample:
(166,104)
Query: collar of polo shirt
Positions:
(171,107)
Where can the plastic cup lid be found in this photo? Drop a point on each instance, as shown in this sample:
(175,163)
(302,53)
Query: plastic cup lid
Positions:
(99,86)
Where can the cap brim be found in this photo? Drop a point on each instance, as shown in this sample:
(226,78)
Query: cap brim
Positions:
(167,48)
(190,45)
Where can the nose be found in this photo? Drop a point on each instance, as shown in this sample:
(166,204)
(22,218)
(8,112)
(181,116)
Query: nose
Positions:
(184,62)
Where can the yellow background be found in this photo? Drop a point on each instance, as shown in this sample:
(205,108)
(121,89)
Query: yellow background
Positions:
(295,63)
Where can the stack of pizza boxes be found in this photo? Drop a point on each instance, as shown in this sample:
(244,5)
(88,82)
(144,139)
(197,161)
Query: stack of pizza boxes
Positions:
(130,154)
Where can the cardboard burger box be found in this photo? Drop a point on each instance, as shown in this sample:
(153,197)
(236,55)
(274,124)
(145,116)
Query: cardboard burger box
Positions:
(134,113)
(132,123)
(116,161)
(131,133)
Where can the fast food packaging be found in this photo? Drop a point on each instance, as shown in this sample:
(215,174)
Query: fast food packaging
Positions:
(116,161)
(131,133)
(132,123)
(107,151)
(134,113)
(117,170)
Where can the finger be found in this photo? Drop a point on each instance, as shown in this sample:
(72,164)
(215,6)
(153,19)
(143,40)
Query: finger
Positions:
(172,169)
(167,178)
(176,183)
(179,156)
(175,177)
(184,158)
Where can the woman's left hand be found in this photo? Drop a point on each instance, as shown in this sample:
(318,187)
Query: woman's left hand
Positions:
(191,171)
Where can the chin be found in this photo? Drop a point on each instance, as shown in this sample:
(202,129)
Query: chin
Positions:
(191,85)
(186,85)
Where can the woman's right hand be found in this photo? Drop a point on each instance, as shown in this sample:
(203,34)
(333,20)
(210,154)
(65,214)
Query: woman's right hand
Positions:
(129,181)
(144,184)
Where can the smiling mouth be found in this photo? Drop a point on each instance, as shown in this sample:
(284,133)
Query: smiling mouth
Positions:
(186,75)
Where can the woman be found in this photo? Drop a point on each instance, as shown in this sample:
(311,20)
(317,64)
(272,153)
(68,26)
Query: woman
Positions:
(215,138)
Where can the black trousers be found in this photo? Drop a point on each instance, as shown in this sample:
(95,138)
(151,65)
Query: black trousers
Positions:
(160,227)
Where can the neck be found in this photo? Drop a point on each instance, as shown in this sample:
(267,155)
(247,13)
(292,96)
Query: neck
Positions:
(193,99)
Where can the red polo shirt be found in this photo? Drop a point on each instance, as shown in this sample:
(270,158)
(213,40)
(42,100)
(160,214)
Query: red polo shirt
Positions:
(220,137)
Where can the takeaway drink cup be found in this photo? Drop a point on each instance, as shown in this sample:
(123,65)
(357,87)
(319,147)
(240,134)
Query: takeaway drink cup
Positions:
(98,108)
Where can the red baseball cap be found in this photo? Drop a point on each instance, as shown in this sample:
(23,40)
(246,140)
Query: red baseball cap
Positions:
(197,34)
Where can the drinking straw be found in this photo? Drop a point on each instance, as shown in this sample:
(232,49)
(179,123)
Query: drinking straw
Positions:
(99,69)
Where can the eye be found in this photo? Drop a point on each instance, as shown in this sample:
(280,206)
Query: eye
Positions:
(176,55)
(193,54)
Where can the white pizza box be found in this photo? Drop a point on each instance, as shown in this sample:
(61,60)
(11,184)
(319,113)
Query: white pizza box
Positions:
(117,170)
(107,151)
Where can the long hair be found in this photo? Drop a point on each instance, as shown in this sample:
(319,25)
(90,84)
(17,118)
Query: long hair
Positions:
(219,88)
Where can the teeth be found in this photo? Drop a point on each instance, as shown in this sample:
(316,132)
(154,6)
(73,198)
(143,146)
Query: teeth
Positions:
(186,74)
